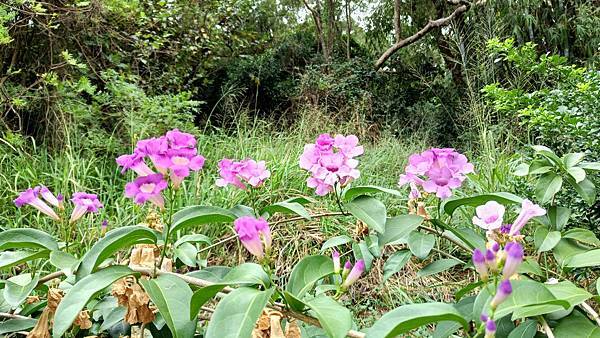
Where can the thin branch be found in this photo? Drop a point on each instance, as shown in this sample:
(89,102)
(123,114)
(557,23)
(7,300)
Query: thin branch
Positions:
(432,24)
(446,236)
(546,327)
(591,312)
(12,316)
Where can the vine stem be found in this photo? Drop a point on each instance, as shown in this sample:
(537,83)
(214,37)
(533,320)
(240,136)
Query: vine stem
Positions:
(545,327)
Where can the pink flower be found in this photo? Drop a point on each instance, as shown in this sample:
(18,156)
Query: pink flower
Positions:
(30,196)
(84,202)
(179,163)
(240,173)
(49,196)
(134,162)
(154,148)
(354,274)
(331,161)
(489,216)
(180,140)
(347,269)
(147,188)
(437,170)
(528,211)
(254,233)
(335,256)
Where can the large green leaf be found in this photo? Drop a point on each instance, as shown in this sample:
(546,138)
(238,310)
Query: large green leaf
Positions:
(586,189)
(572,159)
(18,287)
(595,166)
(470,238)
(369,210)
(11,258)
(529,298)
(334,318)
(214,274)
(420,244)
(63,261)
(307,272)
(187,253)
(501,197)
(398,228)
(585,259)
(548,153)
(368,189)
(14,325)
(558,216)
(582,235)
(82,292)
(335,241)
(287,208)
(569,292)
(547,186)
(112,242)
(545,240)
(408,317)
(437,267)
(236,313)
(567,248)
(526,329)
(395,263)
(361,251)
(26,238)
(172,297)
(198,215)
(577,174)
(576,325)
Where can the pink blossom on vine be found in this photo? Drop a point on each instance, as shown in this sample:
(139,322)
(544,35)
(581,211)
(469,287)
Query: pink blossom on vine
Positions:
(30,197)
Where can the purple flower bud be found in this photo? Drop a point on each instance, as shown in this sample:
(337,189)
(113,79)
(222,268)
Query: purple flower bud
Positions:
(495,247)
(514,257)
(104,227)
(490,328)
(354,274)
(490,259)
(483,317)
(479,263)
(335,255)
(503,291)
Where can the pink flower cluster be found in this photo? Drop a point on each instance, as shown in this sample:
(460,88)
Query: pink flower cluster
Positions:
(240,173)
(83,202)
(174,155)
(437,170)
(331,161)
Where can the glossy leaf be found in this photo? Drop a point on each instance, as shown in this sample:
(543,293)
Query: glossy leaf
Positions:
(26,238)
(586,189)
(547,186)
(547,153)
(408,317)
(18,287)
(450,205)
(287,208)
(236,313)
(572,159)
(594,166)
(569,292)
(559,216)
(584,259)
(198,215)
(63,261)
(112,242)
(526,329)
(172,297)
(368,189)
(187,253)
(470,287)
(395,263)
(582,235)
(335,241)
(11,258)
(398,228)
(530,266)
(437,267)
(546,240)
(529,298)
(577,174)
(420,244)
(577,325)
(15,325)
(361,251)
(193,238)
(334,318)
(307,272)
(79,295)
(369,210)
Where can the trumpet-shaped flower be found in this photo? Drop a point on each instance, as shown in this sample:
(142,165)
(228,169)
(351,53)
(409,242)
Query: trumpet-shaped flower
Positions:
(179,163)
(489,216)
(134,162)
(479,263)
(514,258)
(147,188)
(437,170)
(254,233)
(84,203)
(503,291)
(180,140)
(528,211)
(331,161)
(30,196)
(49,197)
(240,173)
(355,273)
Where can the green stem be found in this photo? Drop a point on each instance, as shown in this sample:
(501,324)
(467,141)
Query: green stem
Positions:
(163,252)
(337,199)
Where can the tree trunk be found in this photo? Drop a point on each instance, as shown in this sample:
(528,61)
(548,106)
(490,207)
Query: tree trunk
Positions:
(348,28)
(316,15)
(397,31)
(331,27)
(451,60)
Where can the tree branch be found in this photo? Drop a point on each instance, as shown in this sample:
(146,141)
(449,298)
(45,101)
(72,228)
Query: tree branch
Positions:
(432,24)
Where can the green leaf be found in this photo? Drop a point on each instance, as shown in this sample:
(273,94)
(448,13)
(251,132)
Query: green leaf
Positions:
(547,153)
(546,240)
(198,215)
(594,166)
(172,297)
(437,267)
(572,159)
(112,242)
(462,292)
(335,241)
(287,208)
(420,244)
(63,261)
(584,259)
(408,317)
(361,251)
(368,189)
(569,292)
(529,298)
(82,292)
(577,174)
(540,166)
(236,313)
(598,286)
(398,228)
(582,235)
(26,238)
(18,287)
(11,258)
(241,210)
(450,205)
(193,238)
(526,329)
(369,210)
(14,325)
(334,318)
(469,237)
(307,272)
(521,170)
(213,274)
(186,253)
(395,263)
(559,216)
(577,325)
(547,186)
(586,189)
(530,266)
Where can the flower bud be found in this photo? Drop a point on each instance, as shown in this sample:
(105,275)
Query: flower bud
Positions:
(504,290)
(354,274)
(347,268)
(490,328)
(479,263)
(490,259)
(514,257)
(335,255)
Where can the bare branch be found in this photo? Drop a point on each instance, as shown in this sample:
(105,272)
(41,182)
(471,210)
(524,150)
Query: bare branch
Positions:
(432,24)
